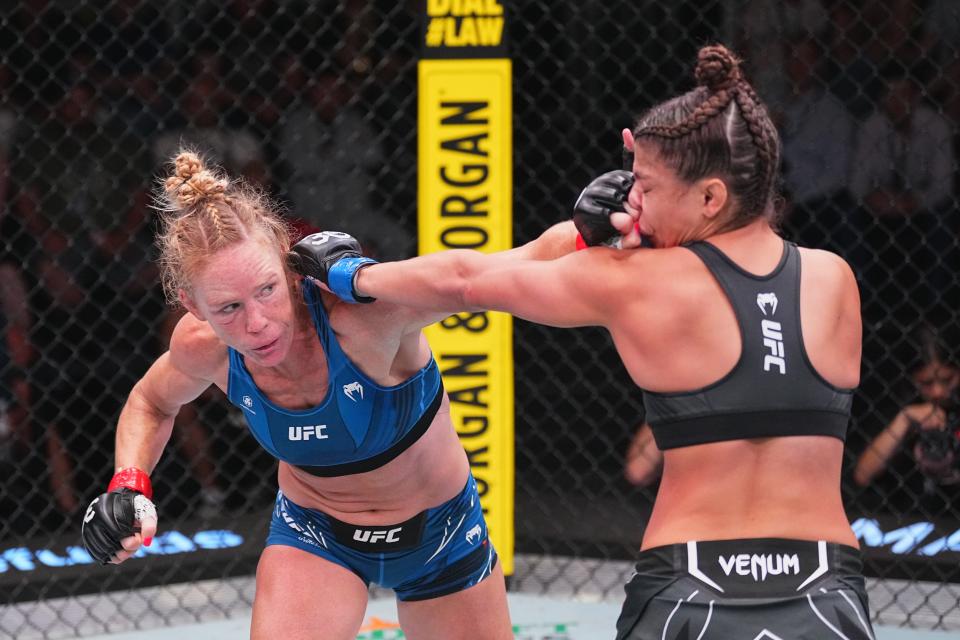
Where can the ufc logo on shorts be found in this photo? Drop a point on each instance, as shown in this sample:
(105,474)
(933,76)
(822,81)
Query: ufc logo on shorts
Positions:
(773,340)
(306,432)
(387,535)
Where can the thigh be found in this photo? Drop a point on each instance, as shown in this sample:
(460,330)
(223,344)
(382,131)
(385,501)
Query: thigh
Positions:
(300,595)
(479,613)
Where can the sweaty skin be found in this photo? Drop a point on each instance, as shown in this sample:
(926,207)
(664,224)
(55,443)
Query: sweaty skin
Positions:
(244,297)
(258,310)
(675,330)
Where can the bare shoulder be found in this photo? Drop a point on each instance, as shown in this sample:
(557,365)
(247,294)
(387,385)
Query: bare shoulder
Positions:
(830,314)
(826,267)
(669,272)
(195,349)
(829,280)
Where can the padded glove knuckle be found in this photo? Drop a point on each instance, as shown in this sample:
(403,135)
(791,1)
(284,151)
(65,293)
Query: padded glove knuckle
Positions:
(315,254)
(108,520)
(603,196)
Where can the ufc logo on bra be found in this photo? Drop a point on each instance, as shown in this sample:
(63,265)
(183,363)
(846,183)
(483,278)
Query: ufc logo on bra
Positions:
(306,432)
(773,340)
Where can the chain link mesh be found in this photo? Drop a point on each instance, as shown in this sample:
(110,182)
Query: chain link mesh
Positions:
(315,102)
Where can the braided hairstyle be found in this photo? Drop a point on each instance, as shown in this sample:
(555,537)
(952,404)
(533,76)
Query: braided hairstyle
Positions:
(720,128)
(202,212)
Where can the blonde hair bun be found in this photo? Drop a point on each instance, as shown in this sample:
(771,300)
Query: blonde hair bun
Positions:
(192,183)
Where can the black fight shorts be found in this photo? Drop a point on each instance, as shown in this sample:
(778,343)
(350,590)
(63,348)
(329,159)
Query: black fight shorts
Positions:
(753,589)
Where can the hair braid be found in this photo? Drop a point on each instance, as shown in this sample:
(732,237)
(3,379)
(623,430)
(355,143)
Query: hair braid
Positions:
(704,113)
(758,124)
(741,147)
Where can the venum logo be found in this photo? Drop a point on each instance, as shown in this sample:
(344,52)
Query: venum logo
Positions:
(765,299)
(352,388)
(307,431)
(474,534)
(88,516)
(248,404)
(773,340)
(759,566)
(385,535)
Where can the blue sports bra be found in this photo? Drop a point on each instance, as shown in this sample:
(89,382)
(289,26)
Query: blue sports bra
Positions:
(359,426)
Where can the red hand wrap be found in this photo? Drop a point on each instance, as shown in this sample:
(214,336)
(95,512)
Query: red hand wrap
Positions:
(582,244)
(132,478)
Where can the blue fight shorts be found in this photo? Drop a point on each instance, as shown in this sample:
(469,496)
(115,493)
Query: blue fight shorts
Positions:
(437,552)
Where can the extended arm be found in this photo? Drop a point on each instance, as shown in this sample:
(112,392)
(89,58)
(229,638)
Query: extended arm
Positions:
(539,281)
(579,289)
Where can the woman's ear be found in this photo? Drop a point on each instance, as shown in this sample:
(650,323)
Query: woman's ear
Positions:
(189,304)
(715,196)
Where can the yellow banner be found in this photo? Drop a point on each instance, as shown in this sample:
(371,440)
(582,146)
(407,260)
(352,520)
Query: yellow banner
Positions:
(464,202)
(464,28)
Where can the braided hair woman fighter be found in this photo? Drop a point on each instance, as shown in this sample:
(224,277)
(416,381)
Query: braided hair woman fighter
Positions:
(374,484)
(747,349)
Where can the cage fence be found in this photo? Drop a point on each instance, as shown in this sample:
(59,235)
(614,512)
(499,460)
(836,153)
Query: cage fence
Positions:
(315,103)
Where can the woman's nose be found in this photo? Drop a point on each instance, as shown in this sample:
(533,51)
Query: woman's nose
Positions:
(256,321)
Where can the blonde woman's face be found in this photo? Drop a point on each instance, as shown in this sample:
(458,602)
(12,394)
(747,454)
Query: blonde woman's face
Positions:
(243,293)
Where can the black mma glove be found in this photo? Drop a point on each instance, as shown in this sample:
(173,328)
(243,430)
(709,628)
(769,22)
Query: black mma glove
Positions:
(110,518)
(591,214)
(334,259)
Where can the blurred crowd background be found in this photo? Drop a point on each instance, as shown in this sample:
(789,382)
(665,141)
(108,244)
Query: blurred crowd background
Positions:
(315,103)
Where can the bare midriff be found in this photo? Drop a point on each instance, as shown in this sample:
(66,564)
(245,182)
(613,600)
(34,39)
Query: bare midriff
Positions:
(432,471)
(784,487)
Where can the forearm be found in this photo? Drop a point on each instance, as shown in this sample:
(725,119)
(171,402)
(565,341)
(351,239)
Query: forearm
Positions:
(556,242)
(878,453)
(440,281)
(142,433)
(434,282)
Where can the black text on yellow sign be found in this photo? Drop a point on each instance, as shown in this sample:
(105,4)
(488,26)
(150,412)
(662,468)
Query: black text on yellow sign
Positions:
(464,202)
(463,28)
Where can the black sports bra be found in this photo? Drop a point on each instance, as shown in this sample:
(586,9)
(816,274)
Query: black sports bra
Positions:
(773,390)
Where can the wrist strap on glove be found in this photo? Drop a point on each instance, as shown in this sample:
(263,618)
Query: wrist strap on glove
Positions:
(342,277)
(132,478)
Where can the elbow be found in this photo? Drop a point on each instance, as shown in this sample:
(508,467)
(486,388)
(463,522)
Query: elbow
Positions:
(142,402)
(465,290)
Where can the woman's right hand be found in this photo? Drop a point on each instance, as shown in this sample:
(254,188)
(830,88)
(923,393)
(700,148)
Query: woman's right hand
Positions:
(116,523)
